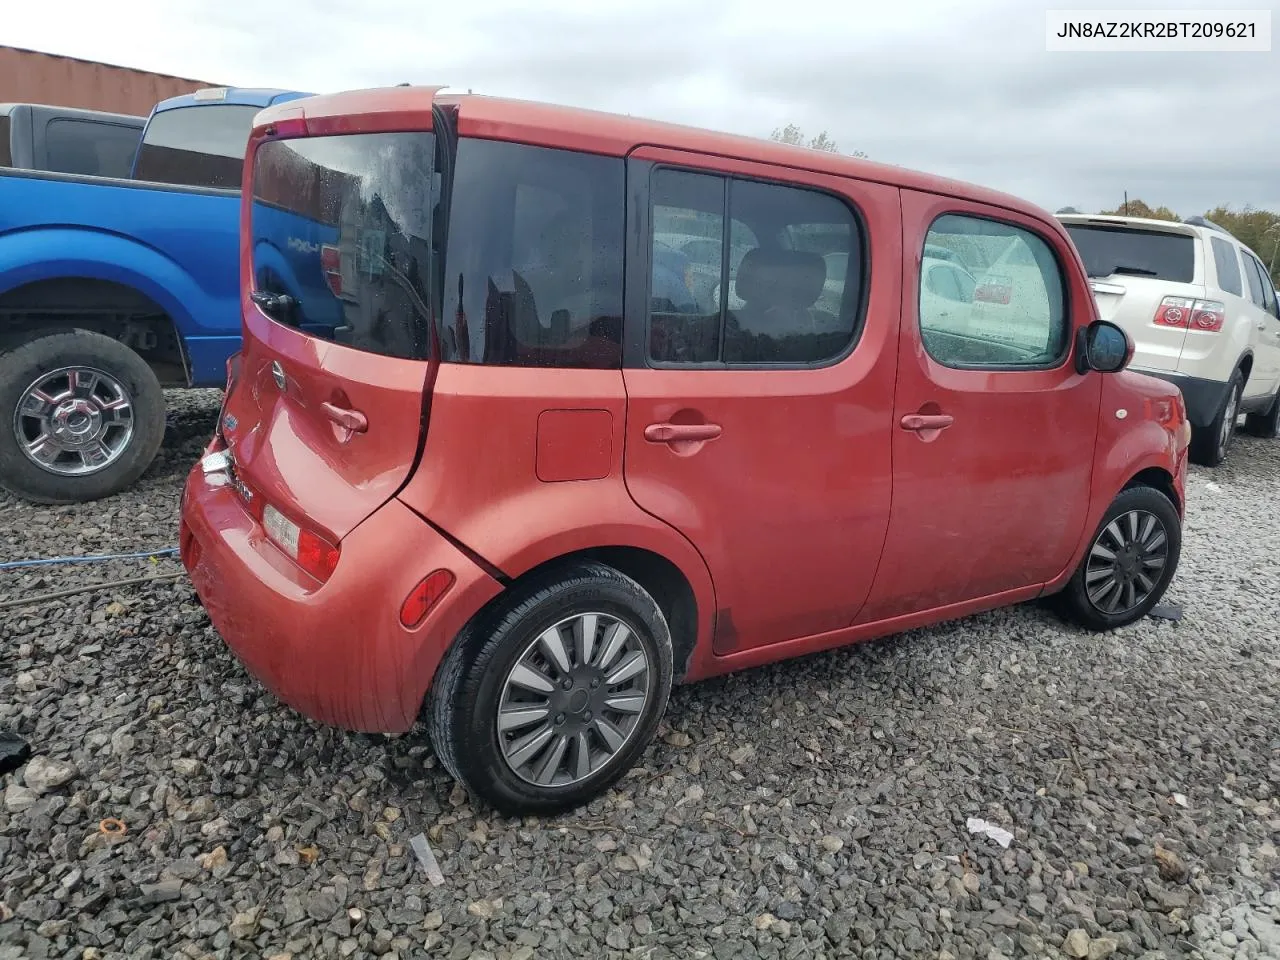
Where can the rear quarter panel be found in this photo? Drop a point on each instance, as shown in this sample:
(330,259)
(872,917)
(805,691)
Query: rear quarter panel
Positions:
(478,479)
(177,246)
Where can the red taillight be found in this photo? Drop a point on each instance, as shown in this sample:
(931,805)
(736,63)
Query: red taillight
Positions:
(308,550)
(1207,316)
(992,292)
(424,596)
(233,370)
(331,264)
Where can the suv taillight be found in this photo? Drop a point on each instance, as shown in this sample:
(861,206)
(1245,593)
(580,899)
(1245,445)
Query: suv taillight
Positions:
(331,264)
(1207,316)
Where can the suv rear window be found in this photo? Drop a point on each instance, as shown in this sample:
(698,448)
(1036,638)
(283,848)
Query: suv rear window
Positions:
(343,226)
(1144,253)
(201,146)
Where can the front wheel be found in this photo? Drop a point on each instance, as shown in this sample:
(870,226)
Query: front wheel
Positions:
(546,701)
(1130,562)
(81,416)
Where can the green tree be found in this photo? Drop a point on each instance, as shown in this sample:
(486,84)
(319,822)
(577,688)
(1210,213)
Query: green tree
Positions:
(1136,208)
(793,135)
(1259,230)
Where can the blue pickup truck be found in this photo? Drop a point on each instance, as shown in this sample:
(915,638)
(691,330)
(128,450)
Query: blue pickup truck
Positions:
(112,288)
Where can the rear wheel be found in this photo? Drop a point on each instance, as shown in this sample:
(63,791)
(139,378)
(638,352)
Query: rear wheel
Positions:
(1265,424)
(1209,445)
(544,703)
(1130,562)
(81,416)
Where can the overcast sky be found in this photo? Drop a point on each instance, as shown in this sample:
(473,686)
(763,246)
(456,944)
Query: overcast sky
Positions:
(966,90)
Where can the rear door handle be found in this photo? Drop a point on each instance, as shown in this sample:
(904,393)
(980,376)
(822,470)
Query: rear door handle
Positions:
(673,432)
(352,420)
(925,421)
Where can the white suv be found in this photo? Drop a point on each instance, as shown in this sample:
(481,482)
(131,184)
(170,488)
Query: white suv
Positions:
(1202,313)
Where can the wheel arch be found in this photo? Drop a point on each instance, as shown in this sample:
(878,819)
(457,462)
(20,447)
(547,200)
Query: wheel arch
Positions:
(1160,479)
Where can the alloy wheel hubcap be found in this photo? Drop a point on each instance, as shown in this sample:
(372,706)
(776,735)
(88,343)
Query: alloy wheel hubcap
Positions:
(1229,422)
(74,421)
(573,700)
(1126,562)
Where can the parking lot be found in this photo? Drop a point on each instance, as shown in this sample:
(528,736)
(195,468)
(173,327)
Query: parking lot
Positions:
(815,808)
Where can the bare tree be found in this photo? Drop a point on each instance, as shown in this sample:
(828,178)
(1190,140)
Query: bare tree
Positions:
(793,135)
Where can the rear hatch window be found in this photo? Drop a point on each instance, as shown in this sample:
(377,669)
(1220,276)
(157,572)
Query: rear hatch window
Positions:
(198,146)
(342,236)
(1109,251)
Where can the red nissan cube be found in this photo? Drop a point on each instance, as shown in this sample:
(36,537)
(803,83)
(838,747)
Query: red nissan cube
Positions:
(540,411)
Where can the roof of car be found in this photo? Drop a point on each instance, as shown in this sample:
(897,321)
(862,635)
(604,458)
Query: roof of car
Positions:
(1167,226)
(614,134)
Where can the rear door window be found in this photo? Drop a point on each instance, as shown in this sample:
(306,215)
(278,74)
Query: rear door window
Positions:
(90,147)
(1268,289)
(534,258)
(342,227)
(198,146)
(1254,276)
(1145,253)
(783,287)
(1228,266)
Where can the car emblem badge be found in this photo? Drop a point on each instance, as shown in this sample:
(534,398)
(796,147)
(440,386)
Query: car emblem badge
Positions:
(277,374)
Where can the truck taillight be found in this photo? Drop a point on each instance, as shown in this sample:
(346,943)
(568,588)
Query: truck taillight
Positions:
(308,550)
(1208,316)
(233,370)
(331,264)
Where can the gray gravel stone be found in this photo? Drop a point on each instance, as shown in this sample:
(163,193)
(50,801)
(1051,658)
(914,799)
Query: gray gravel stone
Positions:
(815,800)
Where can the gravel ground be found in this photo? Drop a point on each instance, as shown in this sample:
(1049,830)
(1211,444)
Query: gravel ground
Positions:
(810,809)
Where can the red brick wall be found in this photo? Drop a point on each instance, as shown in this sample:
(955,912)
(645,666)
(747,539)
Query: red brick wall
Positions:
(30,77)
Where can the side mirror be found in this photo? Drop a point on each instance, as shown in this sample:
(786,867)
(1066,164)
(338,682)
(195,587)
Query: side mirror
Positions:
(1104,347)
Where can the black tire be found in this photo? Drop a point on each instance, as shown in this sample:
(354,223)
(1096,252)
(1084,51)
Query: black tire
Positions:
(1075,603)
(23,361)
(1210,445)
(1265,425)
(462,706)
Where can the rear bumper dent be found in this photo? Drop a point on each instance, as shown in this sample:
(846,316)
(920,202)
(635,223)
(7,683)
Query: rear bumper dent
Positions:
(336,652)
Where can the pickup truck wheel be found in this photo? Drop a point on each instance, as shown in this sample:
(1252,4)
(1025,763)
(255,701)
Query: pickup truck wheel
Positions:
(81,416)
(1266,425)
(1209,445)
(545,702)
(1130,561)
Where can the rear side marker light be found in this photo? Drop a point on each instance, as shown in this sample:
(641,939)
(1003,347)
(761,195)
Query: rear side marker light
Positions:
(1207,316)
(424,596)
(311,552)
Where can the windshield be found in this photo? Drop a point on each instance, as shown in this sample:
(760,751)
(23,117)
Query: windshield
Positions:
(197,146)
(1147,253)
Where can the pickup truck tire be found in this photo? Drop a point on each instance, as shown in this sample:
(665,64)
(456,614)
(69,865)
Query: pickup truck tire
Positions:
(1266,425)
(1209,445)
(1130,561)
(81,416)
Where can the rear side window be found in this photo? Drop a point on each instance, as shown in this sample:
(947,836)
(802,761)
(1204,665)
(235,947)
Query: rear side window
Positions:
(534,259)
(1228,266)
(747,273)
(90,147)
(1142,253)
(342,227)
(1011,314)
(6,154)
(1254,276)
(199,146)
(1268,289)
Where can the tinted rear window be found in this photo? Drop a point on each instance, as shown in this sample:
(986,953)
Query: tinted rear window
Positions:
(90,147)
(534,271)
(1147,253)
(343,226)
(6,155)
(197,146)
(1227,264)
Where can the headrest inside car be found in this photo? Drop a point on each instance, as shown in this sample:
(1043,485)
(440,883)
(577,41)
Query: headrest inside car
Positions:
(774,277)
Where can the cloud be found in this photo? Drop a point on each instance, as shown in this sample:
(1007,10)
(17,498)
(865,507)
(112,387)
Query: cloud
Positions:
(963,90)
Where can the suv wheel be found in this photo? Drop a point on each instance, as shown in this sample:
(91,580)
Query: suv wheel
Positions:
(81,416)
(1209,445)
(1129,564)
(1267,424)
(543,704)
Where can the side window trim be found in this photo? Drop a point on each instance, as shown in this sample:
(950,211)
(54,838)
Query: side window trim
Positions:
(1067,305)
(640,175)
